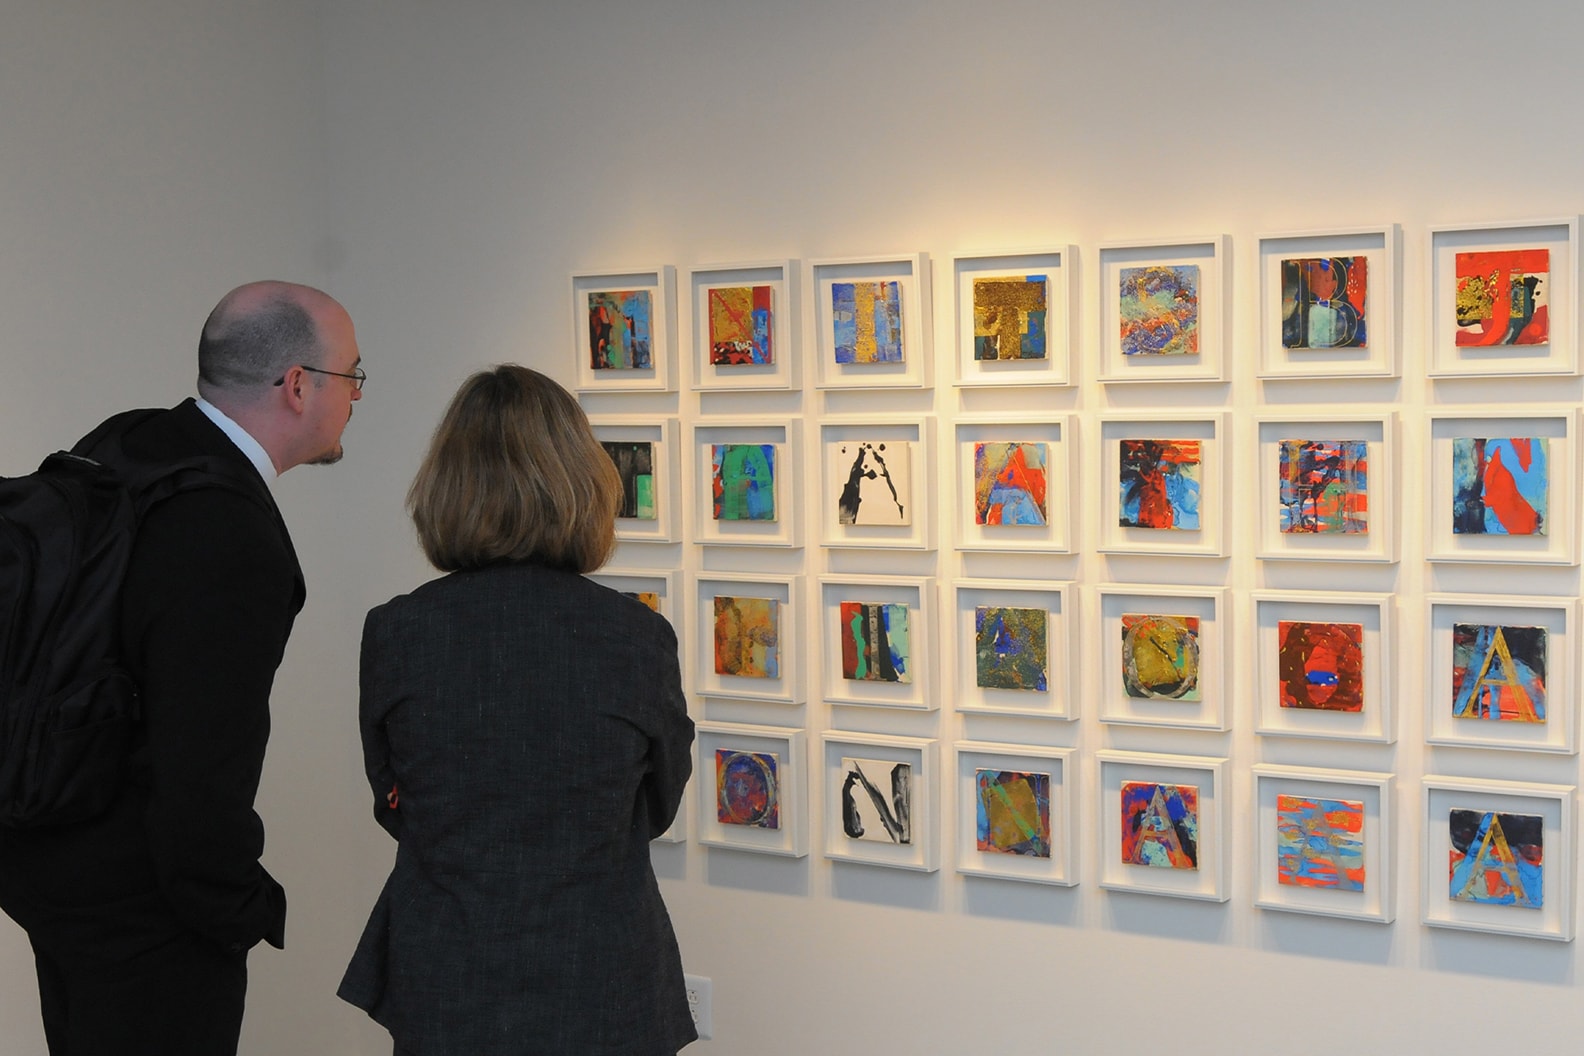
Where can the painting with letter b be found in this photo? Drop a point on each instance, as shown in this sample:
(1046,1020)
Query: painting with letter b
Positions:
(1320,843)
(1497,859)
(1499,485)
(877,800)
(620,330)
(867,317)
(747,788)
(1160,825)
(1498,673)
(874,642)
(1323,302)
(742,480)
(1009,318)
(1013,812)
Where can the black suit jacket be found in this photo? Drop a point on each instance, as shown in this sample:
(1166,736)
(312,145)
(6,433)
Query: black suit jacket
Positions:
(535,725)
(208,603)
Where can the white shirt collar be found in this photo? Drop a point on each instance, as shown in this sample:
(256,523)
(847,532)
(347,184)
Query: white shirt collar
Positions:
(242,439)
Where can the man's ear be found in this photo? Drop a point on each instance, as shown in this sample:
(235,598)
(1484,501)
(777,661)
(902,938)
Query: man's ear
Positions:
(293,382)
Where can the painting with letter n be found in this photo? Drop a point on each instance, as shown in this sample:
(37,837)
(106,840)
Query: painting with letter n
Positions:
(876,800)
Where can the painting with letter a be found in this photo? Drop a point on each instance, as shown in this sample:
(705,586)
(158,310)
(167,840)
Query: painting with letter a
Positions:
(1160,657)
(620,330)
(874,642)
(1497,859)
(1320,842)
(635,465)
(1498,673)
(1320,666)
(1323,302)
(1160,825)
(1011,648)
(1503,297)
(1499,485)
(1160,310)
(747,637)
(742,480)
(1324,486)
(867,317)
(877,800)
(747,788)
(1009,317)
(1009,483)
(875,478)
(1013,812)
(1160,484)
(739,326)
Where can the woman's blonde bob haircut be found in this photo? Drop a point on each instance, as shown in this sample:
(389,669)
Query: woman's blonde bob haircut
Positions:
(515,475)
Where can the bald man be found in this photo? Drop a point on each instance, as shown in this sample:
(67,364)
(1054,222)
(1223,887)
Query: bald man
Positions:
(141,919)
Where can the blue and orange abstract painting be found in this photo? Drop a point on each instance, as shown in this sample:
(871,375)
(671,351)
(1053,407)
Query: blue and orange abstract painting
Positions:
(1320,842)
(747,637)
(1009,483)
(1503,297)
(739,326)
(1499,485)
(874,642)
(743,482)
(1498,673)
(1497,859)
(1324,302)
(1160,484)
(1011,648)
(1324,486)
(1013,812)
(1320,666)
(867,317)
(1160,657)
(747,788)
(635,465)
(1009,317)
(620,329)
(1160,825)
(1160,310)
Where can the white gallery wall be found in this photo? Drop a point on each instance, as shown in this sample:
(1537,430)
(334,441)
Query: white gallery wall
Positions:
(442,169)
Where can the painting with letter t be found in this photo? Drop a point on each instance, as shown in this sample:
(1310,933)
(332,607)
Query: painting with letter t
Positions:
(1497,859)
(1009,317)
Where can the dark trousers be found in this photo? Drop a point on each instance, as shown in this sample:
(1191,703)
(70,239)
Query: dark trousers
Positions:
(182,997)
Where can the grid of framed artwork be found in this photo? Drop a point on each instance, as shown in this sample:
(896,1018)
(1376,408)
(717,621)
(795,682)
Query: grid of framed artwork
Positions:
(1127,570)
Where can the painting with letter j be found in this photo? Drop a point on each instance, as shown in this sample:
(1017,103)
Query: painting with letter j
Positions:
(1160,484)
(747,788)
(747,637)
(1320,666)
(1011,648)
(1503,297)
(739,326)
(1009,317)
(1499,485)
(1009,483)
(620,329)
(1160,825)
(874,642)
(1497,859)
(1013,812)
(867,317)
(1324,486)
(742,480)
(1320,842)
(1498,673)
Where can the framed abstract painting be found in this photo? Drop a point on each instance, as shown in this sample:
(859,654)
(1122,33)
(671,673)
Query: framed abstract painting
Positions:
(878,643)
(745,474)
(1503,299)
(1323,842)
(877,482)
(1163,484)
(745,326)
(1164,309)
(647,458)
(1014,474)
(1503,487)
(1325,665)
(655,588)
(1328,303)
(1502,672)
(1016,316)
(1016,812)
(1327,487)
(881,800)
(747,636)
(624,328)
(871,321)
(1162,826)
(752,794)
(1161,655)
(1014,647)
(1499,856)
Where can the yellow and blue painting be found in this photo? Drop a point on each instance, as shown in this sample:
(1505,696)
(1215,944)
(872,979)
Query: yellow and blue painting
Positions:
(867,317)
(1497,859)
(1009,317)
(747,637)
(1011,648)
(1160,310)
(1160,657)
(1013,812)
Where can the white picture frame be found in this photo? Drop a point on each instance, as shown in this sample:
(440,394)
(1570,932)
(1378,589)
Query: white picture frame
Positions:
(657,284)
(1558,545)
(843,443)
(1206,880)
(915,597)
(1128,261)
(779,281)
(1335,886)
(1059,267)
(911,274)
(1119,531)
(1054,436)
(1147,623)
(660,434)
(920,851)
(1361,620)
(1329,357)
(1288,500)
(1457,713)
(783,438)
(1042,858)
(1557,354)
(1554,918)
(785,686)
(1058,700)
(756,759)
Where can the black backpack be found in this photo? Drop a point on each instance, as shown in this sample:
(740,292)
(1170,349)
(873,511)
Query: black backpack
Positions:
(68,707)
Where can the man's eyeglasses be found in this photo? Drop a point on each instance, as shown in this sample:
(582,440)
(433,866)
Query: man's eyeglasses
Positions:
(357,377)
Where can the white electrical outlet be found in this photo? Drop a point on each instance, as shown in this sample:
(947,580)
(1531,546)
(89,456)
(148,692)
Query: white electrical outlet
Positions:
(699,1003)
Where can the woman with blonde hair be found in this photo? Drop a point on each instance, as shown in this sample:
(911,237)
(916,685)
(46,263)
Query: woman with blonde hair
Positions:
(525,736)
